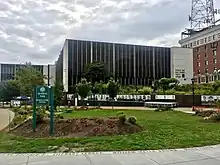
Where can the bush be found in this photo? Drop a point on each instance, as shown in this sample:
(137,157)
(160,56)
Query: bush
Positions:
(59,116)
(162,109)
(23,112)
(213,117)
(69,110)
(120,113)
(40,114)
(122,118)
(132,119)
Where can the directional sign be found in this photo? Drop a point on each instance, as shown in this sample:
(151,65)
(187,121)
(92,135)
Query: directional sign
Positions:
(42,96)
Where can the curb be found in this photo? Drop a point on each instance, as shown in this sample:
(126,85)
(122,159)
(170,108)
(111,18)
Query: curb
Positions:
(109,152)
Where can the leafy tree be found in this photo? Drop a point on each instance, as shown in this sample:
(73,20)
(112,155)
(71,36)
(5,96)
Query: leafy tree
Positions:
(8,90)
(96,72)
(27,78)
(97,88)
(113,88)
(83,88)
(167,83)
(58,93)
(216,86)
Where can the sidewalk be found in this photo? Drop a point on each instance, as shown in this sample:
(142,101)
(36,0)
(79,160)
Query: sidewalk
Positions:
(6,116)
(186,110)
(192,156)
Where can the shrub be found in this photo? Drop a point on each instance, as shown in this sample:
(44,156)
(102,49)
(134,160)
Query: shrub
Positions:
(162,109)
(213,117)
(132,119)
(122,118)
(69,110)
(120,113)
(40,114)
(23,112)
(59,116)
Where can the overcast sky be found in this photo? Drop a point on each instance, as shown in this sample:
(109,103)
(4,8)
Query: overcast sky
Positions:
(35,30)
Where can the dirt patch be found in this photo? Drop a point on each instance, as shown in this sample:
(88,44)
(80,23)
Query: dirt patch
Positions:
(83,127)
(205,113)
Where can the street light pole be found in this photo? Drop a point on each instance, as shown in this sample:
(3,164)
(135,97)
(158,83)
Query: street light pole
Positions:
(193,93)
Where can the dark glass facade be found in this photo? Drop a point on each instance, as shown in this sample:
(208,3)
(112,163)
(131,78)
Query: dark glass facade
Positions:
(131,64)
(8,71)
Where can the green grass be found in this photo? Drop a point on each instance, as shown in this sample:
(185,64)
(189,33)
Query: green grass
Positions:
(162,130)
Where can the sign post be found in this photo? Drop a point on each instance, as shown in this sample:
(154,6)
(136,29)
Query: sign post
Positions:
(51,103)
(34,111)
(43,96)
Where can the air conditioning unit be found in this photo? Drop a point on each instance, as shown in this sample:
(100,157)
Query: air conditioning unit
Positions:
(217,11)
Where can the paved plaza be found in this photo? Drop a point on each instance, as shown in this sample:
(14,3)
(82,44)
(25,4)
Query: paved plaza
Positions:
(194,156)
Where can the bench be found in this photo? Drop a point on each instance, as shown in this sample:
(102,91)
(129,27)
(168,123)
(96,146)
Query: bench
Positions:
(161,104)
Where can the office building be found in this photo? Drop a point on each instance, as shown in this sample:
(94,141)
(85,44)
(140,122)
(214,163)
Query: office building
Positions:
(206,53)
(8,71)
(130,64)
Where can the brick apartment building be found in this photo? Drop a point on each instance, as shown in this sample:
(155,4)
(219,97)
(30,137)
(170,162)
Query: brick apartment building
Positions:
(206,54)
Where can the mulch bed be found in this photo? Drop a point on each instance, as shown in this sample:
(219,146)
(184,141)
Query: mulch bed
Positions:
(84,127)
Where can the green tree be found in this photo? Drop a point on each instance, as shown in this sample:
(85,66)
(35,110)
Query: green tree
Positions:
(58,93)
(8,90)
(96,72)
(167,83)
(27,79)
(216,86)
(113,88)
(83,88)
(97,88)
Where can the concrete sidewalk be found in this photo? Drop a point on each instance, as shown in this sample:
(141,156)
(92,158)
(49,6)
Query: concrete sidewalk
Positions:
(194,156)
(6,116)
(186,110)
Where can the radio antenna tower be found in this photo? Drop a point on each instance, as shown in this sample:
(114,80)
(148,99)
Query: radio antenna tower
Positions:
(202,14)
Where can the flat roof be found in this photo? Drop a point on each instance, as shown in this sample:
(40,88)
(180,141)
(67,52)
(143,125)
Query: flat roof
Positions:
(201,33)
(111,42)
(5,63)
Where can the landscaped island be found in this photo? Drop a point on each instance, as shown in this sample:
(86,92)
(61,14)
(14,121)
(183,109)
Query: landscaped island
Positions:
(157,130)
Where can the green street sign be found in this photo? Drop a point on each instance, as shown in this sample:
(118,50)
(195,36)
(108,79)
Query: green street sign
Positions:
(42,95)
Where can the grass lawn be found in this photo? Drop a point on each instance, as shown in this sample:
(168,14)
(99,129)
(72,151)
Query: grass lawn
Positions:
(162,130)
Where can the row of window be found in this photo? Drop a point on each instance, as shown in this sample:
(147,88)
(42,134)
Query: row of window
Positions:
(120,59)
(207,71)
(206,61)
(203,41)
(208,78)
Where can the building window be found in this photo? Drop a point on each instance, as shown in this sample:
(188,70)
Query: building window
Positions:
(214,61)
(214,37)
(206,62)
(218,35)
(205,40)
(198,56)
(201,41)
(205,47)
(198,71)
(206,70)
(206,55)
(194,43)
(214,53)
(191,45)
(198,64)
(199,80)
(183,75)
(198,42)
(209,38)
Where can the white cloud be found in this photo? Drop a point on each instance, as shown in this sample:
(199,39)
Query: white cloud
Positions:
(35,31)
